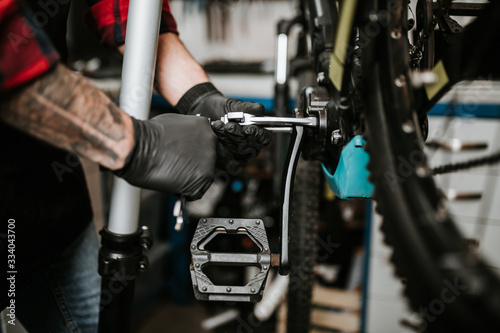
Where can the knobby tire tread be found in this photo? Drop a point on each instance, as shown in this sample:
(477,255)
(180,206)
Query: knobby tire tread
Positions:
(429,253)
(303,229)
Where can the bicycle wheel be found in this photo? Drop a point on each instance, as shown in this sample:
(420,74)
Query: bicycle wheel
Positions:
(440,272)
(303,229)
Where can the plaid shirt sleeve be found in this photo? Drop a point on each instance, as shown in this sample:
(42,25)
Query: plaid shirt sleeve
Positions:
(25,51)
(108,18)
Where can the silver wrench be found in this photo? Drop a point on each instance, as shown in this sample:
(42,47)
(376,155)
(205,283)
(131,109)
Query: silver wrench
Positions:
(277,124)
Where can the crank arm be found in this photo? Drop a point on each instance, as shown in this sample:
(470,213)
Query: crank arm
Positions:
(287,191)
(296,127)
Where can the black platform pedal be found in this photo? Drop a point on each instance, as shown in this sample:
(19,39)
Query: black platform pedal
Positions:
(207,230)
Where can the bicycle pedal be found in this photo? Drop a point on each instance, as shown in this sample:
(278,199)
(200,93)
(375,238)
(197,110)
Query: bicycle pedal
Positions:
(206,231)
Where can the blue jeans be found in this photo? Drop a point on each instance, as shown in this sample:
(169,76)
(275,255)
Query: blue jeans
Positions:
(65,296)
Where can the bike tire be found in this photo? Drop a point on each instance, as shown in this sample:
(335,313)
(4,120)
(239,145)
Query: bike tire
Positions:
(303,233)
(451,288)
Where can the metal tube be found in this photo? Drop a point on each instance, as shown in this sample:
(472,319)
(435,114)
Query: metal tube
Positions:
(273,296)
(220,319)
(135,98)
(281,58)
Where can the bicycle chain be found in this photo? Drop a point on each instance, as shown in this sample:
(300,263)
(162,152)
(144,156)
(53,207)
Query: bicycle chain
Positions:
(425,36)
(452,167)
(429,30)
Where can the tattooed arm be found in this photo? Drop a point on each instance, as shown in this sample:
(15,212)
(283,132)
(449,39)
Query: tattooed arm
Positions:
(67,111)
(169,153)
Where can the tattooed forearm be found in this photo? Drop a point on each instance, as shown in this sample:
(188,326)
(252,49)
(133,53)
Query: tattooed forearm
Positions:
(64,109)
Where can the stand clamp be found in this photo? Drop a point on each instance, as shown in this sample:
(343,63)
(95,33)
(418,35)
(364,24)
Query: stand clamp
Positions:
(121,259)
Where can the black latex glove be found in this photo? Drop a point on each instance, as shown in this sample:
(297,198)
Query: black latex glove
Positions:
(237,143)
(172,153)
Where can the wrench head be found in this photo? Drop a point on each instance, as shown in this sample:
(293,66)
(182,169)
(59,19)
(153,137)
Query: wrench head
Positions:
(235,116)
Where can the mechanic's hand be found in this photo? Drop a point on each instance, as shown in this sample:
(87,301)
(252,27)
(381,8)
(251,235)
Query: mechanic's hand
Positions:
(172,153)
(237,143)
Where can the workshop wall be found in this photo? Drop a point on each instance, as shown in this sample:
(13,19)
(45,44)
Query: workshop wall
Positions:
(238,33)
(230,30)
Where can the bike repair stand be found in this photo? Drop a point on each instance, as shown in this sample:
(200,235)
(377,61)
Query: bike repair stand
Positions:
(122,254)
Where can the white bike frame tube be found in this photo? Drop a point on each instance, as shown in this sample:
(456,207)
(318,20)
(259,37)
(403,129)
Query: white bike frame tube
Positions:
(139,60)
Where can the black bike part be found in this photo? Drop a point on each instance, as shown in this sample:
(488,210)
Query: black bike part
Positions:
(429,251)
(471,54)
(287,193)
(203,256)
(322,22)
(121,259)
(303,233)
(481,45)
(315,101)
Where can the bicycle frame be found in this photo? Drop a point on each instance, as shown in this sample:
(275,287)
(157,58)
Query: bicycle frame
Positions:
(450,67)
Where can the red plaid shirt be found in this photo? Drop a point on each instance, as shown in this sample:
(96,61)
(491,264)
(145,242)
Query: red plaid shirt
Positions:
(109,19)
(26,52)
